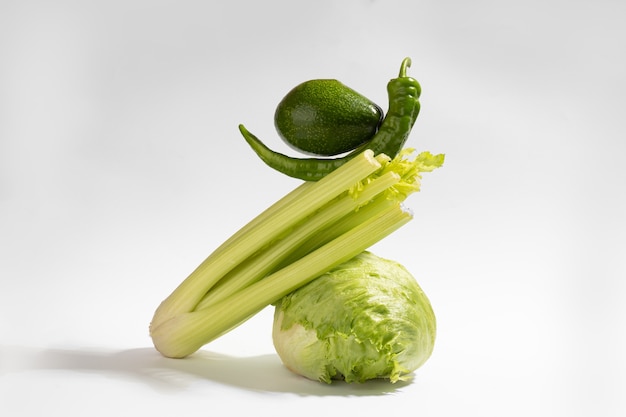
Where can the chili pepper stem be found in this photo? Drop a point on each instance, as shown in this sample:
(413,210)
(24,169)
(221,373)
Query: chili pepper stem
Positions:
(406,63)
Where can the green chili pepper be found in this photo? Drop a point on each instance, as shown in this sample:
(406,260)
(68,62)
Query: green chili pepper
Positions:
(404,107)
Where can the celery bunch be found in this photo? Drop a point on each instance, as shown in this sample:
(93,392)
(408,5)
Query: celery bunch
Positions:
(311,230)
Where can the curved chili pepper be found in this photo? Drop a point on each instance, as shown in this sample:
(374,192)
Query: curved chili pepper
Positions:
(404,107)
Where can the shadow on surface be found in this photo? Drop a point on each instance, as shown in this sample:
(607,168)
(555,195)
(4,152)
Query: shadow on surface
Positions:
(263,373)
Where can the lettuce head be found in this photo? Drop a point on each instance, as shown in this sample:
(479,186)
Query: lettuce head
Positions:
(366,319)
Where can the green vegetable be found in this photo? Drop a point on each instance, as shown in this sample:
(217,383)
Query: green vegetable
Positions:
(311,230)
(325,117)
(367,318)
(390,138)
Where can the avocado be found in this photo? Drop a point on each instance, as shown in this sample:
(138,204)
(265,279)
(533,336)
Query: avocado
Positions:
(325,117)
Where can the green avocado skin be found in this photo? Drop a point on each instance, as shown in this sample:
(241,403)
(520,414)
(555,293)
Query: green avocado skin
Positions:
(325,117)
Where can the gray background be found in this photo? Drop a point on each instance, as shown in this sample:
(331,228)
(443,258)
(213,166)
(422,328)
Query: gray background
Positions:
(121,168)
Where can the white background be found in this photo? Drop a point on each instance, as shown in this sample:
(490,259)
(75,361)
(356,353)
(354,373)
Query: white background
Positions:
(121,168)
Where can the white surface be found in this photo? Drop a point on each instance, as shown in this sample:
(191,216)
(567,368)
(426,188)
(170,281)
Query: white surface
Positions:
(121,168)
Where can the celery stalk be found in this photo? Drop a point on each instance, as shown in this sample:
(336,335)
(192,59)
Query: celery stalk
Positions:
(325,235)
(265,261)
(186,333)
(311,230)
(267,227)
